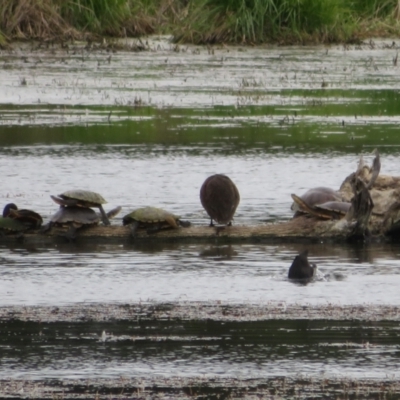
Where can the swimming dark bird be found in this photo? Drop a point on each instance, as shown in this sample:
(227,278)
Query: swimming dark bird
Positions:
(30,219)
(301,268)
(220,198)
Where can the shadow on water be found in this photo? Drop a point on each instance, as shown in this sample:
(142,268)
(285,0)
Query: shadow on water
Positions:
(357,253)
(219,252)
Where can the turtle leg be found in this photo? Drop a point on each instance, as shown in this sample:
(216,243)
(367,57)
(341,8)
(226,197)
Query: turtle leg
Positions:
(184,224)
(172,222)
(46,228)
(20,237)
(153,229)
(112,213)
(134,227)
(211,222)
(104,216)
(70,235)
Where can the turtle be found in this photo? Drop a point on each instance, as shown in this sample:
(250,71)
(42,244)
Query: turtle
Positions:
(153,219)
(301,269)
(82,198)
(76,217)
(322,202)
(30,219)
(220,198)
(317,195)
(326,210)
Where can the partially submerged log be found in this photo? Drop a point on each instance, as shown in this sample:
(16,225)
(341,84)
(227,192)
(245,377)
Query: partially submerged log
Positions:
(298,229)
(374,214)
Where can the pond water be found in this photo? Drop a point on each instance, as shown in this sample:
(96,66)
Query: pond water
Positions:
(147,128)
(73,274)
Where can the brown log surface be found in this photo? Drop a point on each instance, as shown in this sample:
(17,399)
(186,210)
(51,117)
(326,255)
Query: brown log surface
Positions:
(297,229)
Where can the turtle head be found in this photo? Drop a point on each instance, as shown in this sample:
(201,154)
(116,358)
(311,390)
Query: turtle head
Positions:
(7,208)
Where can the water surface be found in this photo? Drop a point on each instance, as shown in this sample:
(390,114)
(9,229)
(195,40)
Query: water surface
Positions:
(147,129)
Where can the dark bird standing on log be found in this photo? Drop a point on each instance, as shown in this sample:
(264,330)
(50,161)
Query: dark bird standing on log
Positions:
(301,268)
(220,198)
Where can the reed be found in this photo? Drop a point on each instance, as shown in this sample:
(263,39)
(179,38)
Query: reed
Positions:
(257,21)
(375,8)
(95,15)
(201,21)
(21,19)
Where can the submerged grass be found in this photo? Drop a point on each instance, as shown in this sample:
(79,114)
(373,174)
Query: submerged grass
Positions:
(202,21)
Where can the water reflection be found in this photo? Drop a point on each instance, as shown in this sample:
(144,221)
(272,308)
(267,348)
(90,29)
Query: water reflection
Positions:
(219,252)
(74,273)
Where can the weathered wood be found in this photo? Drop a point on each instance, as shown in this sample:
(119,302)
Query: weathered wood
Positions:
(297,229)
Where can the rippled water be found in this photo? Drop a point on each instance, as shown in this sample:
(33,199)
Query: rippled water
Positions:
(244,350)
(147,129)
(232,274)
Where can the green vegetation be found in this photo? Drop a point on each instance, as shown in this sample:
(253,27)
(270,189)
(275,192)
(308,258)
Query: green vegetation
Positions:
(202,21)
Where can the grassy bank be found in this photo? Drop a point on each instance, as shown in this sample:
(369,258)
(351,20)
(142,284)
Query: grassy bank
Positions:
(201,21)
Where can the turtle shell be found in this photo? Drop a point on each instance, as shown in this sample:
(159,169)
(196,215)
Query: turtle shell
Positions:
(75,215)
(338,206)
(147,216)
(317,195)
(81,198)
(327,210)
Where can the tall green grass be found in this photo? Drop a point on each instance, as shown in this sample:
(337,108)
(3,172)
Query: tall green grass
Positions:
(267,20)
(95,15)
(201,21)
(375,8)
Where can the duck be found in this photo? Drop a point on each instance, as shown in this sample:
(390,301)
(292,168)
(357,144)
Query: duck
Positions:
(220,197)
(30,219)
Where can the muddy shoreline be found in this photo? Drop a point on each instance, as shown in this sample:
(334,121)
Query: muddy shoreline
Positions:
(198,311)
(158,386)
(301,387)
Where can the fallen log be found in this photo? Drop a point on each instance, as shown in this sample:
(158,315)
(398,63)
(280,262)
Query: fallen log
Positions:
(374,214)
(295,230)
